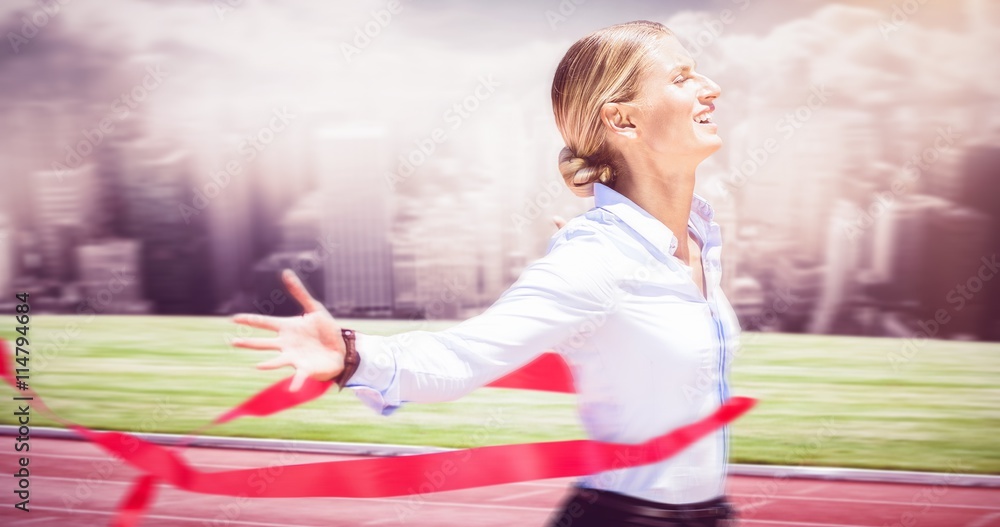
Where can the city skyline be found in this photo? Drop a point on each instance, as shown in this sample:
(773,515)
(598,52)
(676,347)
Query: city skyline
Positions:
(416,177)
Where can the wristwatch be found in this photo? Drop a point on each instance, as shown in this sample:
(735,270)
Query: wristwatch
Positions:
(351,359)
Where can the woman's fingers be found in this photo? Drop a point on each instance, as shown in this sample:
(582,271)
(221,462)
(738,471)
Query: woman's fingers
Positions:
(298,380)
(299,292)
(257,344)
(278,362)
(258,321)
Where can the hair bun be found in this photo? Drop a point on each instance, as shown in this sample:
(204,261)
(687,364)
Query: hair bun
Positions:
(579,175)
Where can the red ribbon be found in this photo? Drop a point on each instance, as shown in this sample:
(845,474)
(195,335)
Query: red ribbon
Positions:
(382,477)
(138,500)
(274,399)
(547,373)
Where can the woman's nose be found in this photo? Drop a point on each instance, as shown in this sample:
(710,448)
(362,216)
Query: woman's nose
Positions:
(711,89)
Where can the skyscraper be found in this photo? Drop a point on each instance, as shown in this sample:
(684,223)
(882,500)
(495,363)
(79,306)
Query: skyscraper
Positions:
(438,239)
(840,263)
(111,278)
(6,258)
(175,266)
(957,237)
(907,265)
(228,211)
(269,295)
(66,217)
(280,175)
(300,227)
(358,263)
(979,189)
(936,251)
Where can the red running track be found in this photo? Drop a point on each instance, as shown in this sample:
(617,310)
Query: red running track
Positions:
(73,484)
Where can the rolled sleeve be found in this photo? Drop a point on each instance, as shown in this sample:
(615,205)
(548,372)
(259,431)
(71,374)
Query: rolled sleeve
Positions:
(373,381)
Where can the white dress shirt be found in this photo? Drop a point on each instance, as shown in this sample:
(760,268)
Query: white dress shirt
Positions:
(647,350)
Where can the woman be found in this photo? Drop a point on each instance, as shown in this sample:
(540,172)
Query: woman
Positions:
(628,292)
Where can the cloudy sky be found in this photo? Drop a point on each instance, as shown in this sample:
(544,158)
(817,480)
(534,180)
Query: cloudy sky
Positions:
(243,58)
(297,48)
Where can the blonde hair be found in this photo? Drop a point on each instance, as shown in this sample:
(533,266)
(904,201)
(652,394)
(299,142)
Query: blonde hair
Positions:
(605,66)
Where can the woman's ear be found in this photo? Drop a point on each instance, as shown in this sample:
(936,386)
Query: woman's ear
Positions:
(618,119)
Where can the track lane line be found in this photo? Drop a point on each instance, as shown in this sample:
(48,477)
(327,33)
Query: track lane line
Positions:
(231,467)
(873,502)
(381,521)
(804,524)
(519,495)
(983,521)
(179,518)
(360,500)
(732,495)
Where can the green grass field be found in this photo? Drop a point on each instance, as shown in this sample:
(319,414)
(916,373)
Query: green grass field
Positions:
(832,401)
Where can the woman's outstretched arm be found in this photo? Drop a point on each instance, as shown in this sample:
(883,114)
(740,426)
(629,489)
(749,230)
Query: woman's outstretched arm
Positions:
(564,294)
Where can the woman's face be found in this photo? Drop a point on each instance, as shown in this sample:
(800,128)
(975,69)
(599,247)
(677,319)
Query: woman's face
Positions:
(676,105)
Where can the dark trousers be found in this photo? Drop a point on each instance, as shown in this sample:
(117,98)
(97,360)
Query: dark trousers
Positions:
(599,508)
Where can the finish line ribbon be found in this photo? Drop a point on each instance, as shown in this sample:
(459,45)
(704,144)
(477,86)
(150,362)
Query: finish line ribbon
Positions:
(384,477)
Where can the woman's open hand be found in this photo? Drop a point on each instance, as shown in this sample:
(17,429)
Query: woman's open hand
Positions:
(311,343)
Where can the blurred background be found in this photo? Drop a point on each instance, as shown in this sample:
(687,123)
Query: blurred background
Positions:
(170,159)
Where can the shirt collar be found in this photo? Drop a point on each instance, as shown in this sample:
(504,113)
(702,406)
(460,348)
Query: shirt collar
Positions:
(642,222)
